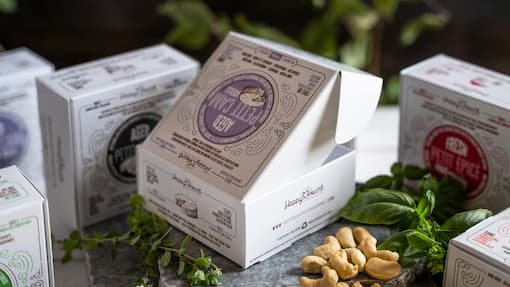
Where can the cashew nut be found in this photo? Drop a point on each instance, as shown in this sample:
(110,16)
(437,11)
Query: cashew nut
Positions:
(387,255)
(356,284)
(367,246)
(356,257)
(329,279)
(343,254)
(344,269)
(345,237)
(342,284)
(330,247)
(312,264)
(382,269)
(375,284)
(360,233)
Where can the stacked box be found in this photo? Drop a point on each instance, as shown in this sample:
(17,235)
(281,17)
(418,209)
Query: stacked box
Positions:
(481,256)
(25,240)
(92,117)
(455,120)
(20,135)
(249,159)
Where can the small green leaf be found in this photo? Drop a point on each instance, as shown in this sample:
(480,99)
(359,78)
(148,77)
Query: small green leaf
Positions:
(165,259)
(92,245)
(356,52)
(185,242)
(429,182)
(134,240)
(396,169)
(380,181)
(413,172)
(8,6)
(387,8)
(412,29)
(426,204)
(182,265)
(263,31)
(320,37)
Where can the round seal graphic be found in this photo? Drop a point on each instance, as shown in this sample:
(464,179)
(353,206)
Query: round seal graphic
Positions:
(235,108)
(13,139)
(122,146)
(4,280)
(451,151)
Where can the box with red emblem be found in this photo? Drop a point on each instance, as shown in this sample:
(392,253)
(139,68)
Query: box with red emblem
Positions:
(455,120)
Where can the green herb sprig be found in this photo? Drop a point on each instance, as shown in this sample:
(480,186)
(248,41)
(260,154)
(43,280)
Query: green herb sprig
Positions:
(150,236)
(427,217)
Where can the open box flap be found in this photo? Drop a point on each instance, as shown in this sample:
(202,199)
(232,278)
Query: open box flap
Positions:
(359,94)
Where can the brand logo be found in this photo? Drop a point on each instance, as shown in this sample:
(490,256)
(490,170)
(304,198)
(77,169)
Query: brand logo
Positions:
(235,108)
(122,147)
(308,193)
(186,183)
(462,105)
(192,162)
(13,139)
(451,151)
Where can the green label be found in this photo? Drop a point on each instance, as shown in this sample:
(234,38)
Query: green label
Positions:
(4,280)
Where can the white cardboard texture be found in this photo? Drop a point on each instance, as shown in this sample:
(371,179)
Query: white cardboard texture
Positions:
(248,161)
(25,240)
(481,255)
(92,116)
(455,120)
(20,134)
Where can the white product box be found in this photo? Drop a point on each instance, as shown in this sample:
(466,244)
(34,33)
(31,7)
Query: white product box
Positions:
(25,241)
(92,116)
(481,256)
(20,134)
(248,160)
(455,120)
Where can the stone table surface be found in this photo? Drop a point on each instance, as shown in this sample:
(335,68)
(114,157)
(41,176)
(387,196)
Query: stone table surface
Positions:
(282,269)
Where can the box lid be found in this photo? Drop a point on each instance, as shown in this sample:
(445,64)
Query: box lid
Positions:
(22,62)
(116,70)
(16,190)
(463,78)
(252,97)
(489,240)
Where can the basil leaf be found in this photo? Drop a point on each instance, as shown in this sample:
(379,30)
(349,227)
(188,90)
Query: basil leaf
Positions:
(426,204)
(380,206)
(399,243)
(449,199)
(460,222)
(396,169)
(419,240)
(380,181)
(413,172)
(428,182)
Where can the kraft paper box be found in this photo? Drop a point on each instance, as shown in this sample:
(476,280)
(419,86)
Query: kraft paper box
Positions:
(455,120)
(25,240)
(92,117)
(481,256)
(248,160)
(20,134)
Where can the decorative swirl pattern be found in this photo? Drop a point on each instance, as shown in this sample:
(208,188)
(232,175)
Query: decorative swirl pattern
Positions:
(257,145)
(499,159)
(470,277)
(288,104)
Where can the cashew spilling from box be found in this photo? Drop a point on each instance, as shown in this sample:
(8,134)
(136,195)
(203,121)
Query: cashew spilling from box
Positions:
(375,285)
(387,255)
(326,250)
(382,269)
(345,237)
(344,268)
(329,279)
(356,284)
(360,233)
(313,264)
(368,247)
(342,284)
(356,257)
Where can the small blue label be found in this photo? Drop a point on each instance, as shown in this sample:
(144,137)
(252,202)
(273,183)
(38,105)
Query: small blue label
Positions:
(13,139)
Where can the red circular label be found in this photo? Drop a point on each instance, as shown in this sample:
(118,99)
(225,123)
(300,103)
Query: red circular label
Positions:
(451,151)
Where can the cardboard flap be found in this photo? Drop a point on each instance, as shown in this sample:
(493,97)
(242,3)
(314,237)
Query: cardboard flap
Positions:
(359,94)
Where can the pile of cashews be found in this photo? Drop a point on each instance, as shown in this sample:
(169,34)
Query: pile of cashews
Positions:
(345,255)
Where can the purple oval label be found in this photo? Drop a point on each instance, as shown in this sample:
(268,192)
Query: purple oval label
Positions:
(235,108)
(13,139)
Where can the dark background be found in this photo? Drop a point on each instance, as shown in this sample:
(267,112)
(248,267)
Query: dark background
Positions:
(68,32)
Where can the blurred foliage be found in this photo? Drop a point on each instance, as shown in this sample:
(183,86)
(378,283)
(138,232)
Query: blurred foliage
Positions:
(8,6)
(350,31)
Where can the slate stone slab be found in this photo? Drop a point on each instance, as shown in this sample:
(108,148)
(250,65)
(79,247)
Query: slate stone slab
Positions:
(282,269)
